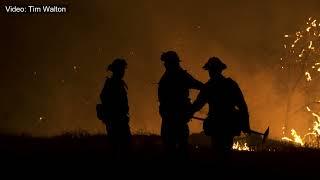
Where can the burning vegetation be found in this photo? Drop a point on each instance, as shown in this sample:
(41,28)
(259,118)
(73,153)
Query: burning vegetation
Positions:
(301,67)
(300,73)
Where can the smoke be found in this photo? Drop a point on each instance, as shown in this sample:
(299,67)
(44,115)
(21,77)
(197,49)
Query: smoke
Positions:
(246,35)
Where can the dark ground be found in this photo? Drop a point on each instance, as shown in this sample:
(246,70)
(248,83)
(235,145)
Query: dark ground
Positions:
(86,152)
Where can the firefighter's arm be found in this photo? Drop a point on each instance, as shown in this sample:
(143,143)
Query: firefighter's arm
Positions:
(200,101)
(193,83)
(242,105)
(104,93)
(197,84)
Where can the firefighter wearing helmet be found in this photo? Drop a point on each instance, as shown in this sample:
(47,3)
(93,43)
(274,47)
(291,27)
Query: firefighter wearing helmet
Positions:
(228,113)
(174,107)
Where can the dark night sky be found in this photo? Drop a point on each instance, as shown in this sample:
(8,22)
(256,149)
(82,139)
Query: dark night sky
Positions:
(54,66)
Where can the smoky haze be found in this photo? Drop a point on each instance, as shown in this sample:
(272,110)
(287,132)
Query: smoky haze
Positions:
(53,66)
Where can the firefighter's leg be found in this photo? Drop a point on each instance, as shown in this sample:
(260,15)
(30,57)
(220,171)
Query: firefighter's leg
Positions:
(168,139)
(220,148)
(124,138)
(112,141)
(182,141)
(226,148)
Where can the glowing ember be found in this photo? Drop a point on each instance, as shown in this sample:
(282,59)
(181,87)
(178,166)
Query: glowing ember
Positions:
(308,109)
(314,23)
(310,45)
(308,76)
(308,29)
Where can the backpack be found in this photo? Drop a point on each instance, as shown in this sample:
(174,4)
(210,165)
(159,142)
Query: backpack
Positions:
(236,118)
(100,113)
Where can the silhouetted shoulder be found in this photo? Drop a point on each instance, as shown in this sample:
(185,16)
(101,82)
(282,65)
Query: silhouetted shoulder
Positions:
(207,85)
(232,83)
(191,81)
(186,74)
(107,81)
(124,84)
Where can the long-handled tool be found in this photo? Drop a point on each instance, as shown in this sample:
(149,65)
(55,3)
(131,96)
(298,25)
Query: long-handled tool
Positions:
(265,134)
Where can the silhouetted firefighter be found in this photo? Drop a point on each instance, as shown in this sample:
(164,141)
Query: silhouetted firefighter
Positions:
(173,95)
(228,113)
(114,110)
